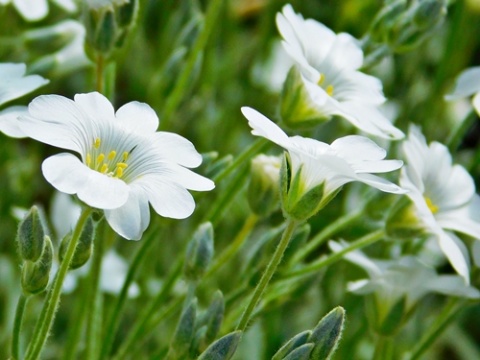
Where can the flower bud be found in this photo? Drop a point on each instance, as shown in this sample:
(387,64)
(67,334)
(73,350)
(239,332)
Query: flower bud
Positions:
(30,235)
(35,275)
(83,251)
(263,190)
(199,252)
(214,316)
(297,109)
(428,13)
(184,333)
(386,18)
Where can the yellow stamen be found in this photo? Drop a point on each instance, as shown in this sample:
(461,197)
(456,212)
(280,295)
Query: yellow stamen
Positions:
(433,208)
(100,158)
(104,169)
(321,79)
(122,165)
(125,155)
(97,143)
(329,90)
(112,154)
(119,172)
(89,160)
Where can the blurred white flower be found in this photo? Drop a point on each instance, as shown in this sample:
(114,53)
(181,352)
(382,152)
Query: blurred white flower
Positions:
(443,195)
(15,84)
(124,164)
(467,84)
(329,65)
(315,163)
(406,276)
(35,10)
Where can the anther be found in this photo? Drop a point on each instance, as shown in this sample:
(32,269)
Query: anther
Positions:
(97,143)
(112,155)
(88,160)
(329,90)
(104,169)
(122,165)
(125,155)
(321,79)
(100,158)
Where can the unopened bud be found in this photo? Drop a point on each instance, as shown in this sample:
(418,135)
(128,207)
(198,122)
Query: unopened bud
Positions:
(35,275)
(292,344)
(30,235)
(224,348)
(184,333)
(326,335)
(83,251)
(199,252)
(263,190)
(428,13)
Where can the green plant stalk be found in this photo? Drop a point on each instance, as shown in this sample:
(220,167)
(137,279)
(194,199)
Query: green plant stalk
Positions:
(144,318)
(114,320)
(323,235)
(267,275)
(53,298)
(179,91)
(383,348)
(455,137)
(99,73)
(443,320)
(257,146)
(17,326)
(94,301)
(317,265)
(234,246)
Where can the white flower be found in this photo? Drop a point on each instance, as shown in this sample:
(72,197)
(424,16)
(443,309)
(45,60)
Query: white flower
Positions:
(466,84)
(350,158)
(406,276)
(37,9)
(329,66)
(15,84)
(124,163)
(443,195)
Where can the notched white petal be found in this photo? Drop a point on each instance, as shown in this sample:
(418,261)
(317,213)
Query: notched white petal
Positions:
(137,117)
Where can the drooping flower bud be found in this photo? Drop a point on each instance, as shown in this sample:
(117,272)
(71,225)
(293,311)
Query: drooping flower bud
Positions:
(35,275)
(84,248)
(263,190)
(30,235)
(199,252)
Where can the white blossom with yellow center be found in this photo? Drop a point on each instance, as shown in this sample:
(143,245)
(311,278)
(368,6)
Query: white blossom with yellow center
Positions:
(124,163)
(329,66)
(443,194)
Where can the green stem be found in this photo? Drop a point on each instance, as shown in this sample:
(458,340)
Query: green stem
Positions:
(114,320)
(445,318)
(323,235)
(247,154)
(183,82)
(94,301)
(456,136)
(267,275)
(144,318)
(317,265)
(100,65)
(17,326)
(383,348)
(234,246)
(53,298)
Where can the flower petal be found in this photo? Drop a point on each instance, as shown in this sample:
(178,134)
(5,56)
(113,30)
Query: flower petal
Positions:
(262,126)
(96,106)
(9,123)
(15,84)
(466,84)
(185,177)
(175,148)
(454,254)
(137,117)
(57,121)
(69,175)
(131,219)
(381,184)
(168,199)
(32,10)
(452,285)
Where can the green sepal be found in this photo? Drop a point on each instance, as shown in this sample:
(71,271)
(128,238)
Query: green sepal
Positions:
(30,235)
(223,348)
(84,248)
(394,319)
(295,342)
(303,352)
(428,13)
(199,252)
(402,221)
(185,331)
(326,335)
(309,204)
(35,275)
(385,19)
(297,109)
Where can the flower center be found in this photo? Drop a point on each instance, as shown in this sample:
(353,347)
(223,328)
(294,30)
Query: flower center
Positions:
(111,164)
(433,208)
(329,88)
